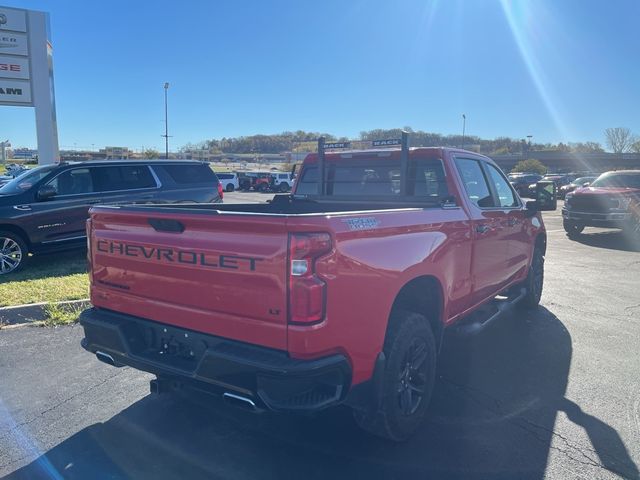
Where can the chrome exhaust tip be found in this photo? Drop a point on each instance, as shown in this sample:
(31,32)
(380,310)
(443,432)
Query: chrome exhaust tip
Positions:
(240,401)
(106,358)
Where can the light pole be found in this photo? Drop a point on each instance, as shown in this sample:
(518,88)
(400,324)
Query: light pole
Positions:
(529,137)
(464,124)
(166,122)
(3,151)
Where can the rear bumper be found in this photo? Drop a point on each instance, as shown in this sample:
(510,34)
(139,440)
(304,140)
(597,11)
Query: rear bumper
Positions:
(270,378)
(609,220)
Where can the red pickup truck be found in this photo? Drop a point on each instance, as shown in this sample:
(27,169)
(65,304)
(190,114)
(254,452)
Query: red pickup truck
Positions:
(337,293)
(611,201)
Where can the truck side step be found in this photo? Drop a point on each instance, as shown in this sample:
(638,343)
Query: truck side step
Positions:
(489,313)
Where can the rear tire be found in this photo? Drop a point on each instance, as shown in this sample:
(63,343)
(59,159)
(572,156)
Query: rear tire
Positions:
(284,187)
(572,228)
(534,282)
(230,187)
(407,380)
(13,252)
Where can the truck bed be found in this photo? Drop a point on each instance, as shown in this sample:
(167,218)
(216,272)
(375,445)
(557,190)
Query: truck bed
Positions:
(280,205)
(211,268)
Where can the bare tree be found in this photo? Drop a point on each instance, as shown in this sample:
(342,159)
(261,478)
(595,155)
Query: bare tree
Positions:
(635,146)
(619,139)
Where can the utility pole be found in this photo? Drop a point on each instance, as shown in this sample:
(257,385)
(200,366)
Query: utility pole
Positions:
(464,124)
(3,150)
(166,122)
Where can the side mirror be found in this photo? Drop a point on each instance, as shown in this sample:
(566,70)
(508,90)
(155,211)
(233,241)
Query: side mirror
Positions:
(46,192)
(586,184)
(546,196)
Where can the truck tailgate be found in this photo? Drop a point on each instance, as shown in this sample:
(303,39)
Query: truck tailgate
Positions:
(222,274)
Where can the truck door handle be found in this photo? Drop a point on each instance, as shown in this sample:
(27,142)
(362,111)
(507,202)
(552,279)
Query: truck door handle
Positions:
(482,228)
(23,208)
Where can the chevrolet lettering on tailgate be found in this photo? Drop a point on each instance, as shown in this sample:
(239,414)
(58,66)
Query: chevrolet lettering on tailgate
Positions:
(189,257)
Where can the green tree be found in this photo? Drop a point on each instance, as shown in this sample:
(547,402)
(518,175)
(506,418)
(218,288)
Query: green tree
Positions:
(151,153)
(530,165)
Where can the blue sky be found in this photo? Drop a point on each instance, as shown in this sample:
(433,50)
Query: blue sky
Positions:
(560,71)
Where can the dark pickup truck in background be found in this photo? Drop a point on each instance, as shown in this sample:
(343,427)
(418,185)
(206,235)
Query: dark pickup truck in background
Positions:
(45,209)
(337,293)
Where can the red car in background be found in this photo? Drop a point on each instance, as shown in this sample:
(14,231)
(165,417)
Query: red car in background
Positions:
(577,183)
(611,201)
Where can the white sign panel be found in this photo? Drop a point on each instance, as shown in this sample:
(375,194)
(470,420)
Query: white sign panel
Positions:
(15,91)
(14,67)
(26,73)
(11,19)
(13,43)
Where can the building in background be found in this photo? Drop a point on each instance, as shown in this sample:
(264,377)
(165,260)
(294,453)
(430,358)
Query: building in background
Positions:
(25,154)
(115,153)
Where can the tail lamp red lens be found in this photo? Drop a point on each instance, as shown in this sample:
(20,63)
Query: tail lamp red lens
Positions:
(220,191)
(307,291)
(88,230)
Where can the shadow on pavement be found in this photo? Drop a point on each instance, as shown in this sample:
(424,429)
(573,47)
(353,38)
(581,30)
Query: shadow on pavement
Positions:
(611,239)
(492,416)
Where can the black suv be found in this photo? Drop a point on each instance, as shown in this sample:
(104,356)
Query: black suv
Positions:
(521,182)
(45,209)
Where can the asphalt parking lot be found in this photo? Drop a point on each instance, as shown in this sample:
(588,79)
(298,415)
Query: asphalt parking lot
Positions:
(549,394)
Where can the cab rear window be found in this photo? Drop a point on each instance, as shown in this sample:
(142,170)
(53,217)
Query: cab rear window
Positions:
(377,179)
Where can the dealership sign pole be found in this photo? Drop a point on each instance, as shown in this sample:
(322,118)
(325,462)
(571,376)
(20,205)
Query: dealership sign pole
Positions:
(26,73)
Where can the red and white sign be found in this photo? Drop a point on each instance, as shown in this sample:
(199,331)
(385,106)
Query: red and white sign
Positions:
(14,67)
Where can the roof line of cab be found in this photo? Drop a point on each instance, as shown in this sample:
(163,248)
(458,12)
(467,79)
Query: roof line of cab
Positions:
(389,152)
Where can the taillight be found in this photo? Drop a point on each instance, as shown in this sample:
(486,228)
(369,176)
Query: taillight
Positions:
(88,230)
(220,191)
(306,290)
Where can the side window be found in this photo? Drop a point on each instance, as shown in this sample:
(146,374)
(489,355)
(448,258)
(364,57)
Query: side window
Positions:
(73,182)
(191,173)
(132,177)
(137,176)
(474,182)
(106,178)
(506,197)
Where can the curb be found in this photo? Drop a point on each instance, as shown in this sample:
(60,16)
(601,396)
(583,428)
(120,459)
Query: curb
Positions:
(21,315)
